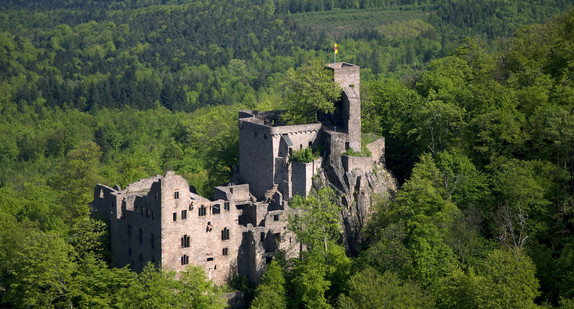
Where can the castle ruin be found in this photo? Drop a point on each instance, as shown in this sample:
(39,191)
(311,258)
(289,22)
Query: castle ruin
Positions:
(161,220)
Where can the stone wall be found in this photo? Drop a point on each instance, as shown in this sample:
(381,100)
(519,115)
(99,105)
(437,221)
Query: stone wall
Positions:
(303,174)
(237,193)
(351,163)
(352,114)
(377,149)
(256,160)
(346,74)
(162,222)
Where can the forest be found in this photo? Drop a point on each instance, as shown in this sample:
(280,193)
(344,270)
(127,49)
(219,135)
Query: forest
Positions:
(474,98)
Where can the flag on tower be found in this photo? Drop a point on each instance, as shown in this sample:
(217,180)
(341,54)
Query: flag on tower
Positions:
(336,51)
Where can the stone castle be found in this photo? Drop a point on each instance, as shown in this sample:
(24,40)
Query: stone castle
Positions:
(161,220)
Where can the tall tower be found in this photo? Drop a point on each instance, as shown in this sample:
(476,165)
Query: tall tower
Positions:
(348,76)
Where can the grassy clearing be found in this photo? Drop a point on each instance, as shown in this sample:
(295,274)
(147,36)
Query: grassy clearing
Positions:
(340,23)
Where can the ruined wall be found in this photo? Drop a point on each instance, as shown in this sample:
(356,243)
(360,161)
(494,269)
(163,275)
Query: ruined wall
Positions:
(198,231)
(262,164)
(256,159)
(346,74)
(161,221)
(377,149)
(134,217)
(236,193)
(351,163)
(303,176)
(352,114)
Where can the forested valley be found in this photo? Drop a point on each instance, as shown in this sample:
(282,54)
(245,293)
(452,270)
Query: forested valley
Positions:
(475,100)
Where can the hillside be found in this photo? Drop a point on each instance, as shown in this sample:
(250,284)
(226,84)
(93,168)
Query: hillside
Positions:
(474,100)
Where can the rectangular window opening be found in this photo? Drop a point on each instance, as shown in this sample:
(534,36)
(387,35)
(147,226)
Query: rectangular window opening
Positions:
(225,234)
(202,211)
(185,240)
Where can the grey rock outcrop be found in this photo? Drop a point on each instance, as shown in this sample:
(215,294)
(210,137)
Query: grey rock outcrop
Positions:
(359,187)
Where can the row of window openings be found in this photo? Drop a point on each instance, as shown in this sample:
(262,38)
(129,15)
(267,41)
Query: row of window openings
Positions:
(140,256)
(255,135)
(265,137)
(144,211)
(140,236)
(185,258)
(202,211)
(186,239)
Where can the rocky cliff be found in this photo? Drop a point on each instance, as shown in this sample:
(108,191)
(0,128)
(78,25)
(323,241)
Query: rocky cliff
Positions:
(359,182)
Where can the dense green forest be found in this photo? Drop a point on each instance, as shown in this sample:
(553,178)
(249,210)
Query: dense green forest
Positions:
(474,98)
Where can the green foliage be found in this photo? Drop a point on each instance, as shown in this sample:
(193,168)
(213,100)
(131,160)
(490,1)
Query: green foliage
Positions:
(317,221)
(306,155)
(154,288)
(481,141)
(507,281)
(309,90)
(369,289)
(270,293)
(41,273)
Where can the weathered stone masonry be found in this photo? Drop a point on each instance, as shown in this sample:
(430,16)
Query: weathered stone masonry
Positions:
(161,220)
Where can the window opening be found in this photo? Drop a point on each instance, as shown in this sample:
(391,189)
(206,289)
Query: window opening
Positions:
(275,217)
(216,209)
(262,236)
(185,259)
(176,195)
(129,231)
(226,205)
(152,240)
(184,214)
(185,240)
(175,216)
(225,234)
(225,251)
(140,236)
(202,211)
(209,259)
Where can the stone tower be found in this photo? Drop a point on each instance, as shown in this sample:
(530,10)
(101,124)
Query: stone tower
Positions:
(348,77)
